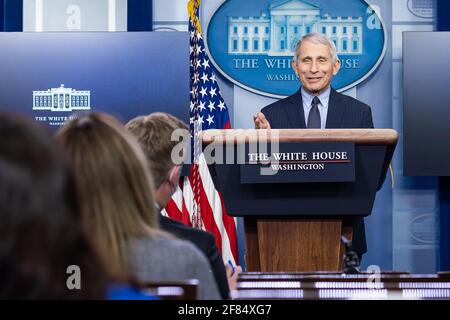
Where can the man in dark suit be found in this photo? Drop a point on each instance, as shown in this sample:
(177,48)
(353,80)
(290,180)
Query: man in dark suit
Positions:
(317,105)
(154,135)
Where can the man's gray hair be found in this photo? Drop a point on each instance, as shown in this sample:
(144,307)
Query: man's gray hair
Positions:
(317,38)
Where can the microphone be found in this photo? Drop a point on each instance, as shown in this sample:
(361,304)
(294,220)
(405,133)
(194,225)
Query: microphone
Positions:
(351,260)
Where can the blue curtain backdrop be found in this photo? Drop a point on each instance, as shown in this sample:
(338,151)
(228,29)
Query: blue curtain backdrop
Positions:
(140,15)
(443,15)
(11,15)
(443,24)
(1,15)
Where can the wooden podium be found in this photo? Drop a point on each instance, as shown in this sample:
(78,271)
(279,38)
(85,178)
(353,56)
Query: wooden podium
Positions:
(298,226)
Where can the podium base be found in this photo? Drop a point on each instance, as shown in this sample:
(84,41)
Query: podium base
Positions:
(287,244)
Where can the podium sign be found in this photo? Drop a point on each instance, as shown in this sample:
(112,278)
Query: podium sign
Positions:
(300,162)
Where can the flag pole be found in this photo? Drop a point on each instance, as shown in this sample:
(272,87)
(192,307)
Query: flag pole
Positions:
(193,7)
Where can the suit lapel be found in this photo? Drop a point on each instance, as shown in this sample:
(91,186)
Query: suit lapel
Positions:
(335,111)
(294,111)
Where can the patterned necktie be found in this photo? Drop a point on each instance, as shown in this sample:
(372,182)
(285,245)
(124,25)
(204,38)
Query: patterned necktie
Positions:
(314,115)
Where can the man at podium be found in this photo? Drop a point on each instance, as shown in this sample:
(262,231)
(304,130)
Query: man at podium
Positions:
(317,105)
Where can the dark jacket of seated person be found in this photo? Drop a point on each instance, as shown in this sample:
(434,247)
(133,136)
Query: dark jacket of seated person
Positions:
(206,243)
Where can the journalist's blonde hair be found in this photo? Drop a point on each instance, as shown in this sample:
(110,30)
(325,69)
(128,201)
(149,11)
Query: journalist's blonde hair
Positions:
(116,191)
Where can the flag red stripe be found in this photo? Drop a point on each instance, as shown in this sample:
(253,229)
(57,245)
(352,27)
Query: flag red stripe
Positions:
(208,215)
(173,211)
(230,227)
(185,213)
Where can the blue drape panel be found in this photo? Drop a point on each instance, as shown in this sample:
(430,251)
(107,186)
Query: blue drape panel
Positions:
(11,15)
(140,15)
(443,24)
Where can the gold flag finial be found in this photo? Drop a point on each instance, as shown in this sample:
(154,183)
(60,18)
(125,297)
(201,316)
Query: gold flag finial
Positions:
(193,6)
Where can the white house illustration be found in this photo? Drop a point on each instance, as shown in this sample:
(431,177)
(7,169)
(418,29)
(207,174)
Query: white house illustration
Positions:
(61,99)
(277,33)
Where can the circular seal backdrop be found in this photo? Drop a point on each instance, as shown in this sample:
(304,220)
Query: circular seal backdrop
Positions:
(252,42)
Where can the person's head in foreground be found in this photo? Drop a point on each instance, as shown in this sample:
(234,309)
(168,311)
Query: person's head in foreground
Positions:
(44,253)
(115,187)
(154,133)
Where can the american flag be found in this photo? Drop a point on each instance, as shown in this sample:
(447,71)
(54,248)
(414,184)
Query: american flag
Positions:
(197,202)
